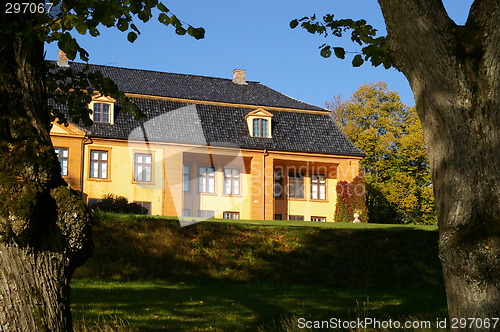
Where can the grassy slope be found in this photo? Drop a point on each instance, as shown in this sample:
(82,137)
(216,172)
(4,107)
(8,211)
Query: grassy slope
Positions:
(135,248)
(236,276)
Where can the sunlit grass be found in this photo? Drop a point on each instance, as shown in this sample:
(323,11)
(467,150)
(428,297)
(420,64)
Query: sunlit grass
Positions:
(233,306)
(278,223)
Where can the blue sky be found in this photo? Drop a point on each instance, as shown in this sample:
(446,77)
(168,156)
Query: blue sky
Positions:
(255,35)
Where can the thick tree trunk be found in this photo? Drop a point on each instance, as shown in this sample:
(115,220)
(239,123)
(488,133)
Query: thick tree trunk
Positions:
(35,300)
(454,72)
(44,228)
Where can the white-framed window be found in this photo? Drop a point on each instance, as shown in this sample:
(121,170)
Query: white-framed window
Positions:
(260,128)
(320,219)
(102,109)
(186,179)
(98,164)
(101,112)
(318,187)
(231,181)
(206,213)
(231,215)
(296,218)
(295,185)
(143,167)
(259,123)
(63,156)
(207,180)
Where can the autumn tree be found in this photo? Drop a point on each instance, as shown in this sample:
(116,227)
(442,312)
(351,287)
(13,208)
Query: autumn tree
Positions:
(44,226)
(454,73)
(396,168)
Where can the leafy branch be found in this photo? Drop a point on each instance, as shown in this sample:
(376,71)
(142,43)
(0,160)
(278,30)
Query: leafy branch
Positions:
(73,90)
(375,48)
(88,17)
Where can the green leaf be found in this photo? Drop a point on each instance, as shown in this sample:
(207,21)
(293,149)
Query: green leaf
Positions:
(326,51)
(180,31)
(197,33)
(81,27)
(68,45)
(357,61)
(134,27)
(164,19)
(294,24)
(200,33)
(162,7)
(175,21)
(339,52)
(122,25)
(132,36)
(94,32)
(84,55)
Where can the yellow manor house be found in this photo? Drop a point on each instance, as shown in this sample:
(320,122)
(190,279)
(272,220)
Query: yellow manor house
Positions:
(207,147)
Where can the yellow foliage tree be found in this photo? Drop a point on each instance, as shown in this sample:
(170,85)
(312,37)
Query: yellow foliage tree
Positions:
(397,175)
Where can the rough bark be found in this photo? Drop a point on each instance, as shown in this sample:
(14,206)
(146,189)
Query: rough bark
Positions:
(44,229)
(454,72)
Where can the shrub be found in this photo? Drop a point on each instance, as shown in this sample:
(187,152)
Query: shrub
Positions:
(118,204)
(351,199)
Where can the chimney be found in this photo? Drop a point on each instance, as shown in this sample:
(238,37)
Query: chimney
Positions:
(62,60)
(239,77)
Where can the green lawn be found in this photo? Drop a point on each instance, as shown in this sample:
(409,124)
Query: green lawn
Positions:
(334,225)
(233,306)
(241,275)
(279,223)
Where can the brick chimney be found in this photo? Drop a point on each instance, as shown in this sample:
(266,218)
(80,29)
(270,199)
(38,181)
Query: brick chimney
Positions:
(239,77)
(62,60)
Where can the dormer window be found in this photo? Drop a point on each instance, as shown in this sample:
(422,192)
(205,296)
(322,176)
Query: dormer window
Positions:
(260,127)
(101,112)
(102,109)
(259,123)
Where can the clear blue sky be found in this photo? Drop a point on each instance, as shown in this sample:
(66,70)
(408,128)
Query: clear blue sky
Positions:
(255,35)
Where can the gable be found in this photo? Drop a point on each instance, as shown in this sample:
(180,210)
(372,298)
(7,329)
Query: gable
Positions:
(69,130)
(259,113)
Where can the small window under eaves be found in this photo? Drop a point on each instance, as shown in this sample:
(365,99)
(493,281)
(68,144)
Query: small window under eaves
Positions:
(259,123)
(102,108)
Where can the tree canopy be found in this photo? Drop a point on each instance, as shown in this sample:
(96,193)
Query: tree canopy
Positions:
(396,168)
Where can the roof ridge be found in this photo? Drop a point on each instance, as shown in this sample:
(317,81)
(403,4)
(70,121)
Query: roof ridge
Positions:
(157,71)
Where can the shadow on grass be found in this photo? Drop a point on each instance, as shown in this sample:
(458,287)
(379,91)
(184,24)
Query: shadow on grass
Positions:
(234,306)
(148,249)
(232,277)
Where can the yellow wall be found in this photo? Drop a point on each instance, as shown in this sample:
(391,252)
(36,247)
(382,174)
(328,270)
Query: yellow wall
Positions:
(120,179)
(218,202)
(71,138)
(165,191)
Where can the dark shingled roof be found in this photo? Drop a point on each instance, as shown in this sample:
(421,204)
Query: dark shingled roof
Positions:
(154,83)
(173,121)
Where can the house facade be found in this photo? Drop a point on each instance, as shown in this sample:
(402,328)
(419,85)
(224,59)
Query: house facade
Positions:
(208,147)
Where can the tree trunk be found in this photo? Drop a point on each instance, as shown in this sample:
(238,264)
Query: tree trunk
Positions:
(36,299)
(454,72)
(44,228)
